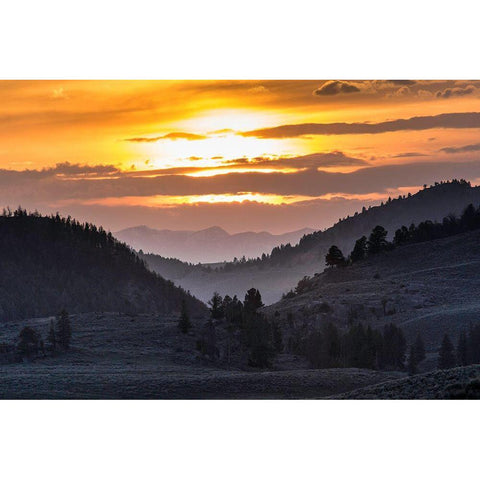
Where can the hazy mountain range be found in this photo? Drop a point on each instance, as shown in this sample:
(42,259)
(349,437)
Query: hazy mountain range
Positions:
(277,272)
(210,245)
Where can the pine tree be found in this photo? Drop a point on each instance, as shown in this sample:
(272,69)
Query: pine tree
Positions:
(416,355)
(64,331)
(277,338)
(261,348)
(334,257)
(51,338)
(28,344)
(253,301)
(462,350)
(467,220)
(412,361)
(394,347)
(419,349)
(184,323)
(216,306)
(473,344)
(446,357)
(377,241)
(359,250)
(210,340)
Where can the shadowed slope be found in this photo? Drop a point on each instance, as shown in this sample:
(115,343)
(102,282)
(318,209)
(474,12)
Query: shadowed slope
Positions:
(51,263)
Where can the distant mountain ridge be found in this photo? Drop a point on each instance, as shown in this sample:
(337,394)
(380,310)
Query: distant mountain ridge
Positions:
(209,245)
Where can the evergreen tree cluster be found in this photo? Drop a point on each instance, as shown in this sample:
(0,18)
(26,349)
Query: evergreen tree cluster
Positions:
(50,263)
(428,230)
(446,355)
(247,330)
(358,346)
(467,351)
(416,355)
(30,342)
(184,323)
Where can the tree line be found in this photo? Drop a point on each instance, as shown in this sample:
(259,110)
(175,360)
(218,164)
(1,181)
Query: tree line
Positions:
(31,344)
(428,230)
(257,339)
(346,226)
(355,347)
(250,335)
(466,352)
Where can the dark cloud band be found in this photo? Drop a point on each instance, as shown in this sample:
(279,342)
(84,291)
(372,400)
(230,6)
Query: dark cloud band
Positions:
(26,187)
(465,149)
(445,120)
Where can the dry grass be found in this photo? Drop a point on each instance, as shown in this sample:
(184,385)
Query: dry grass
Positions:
(118,356)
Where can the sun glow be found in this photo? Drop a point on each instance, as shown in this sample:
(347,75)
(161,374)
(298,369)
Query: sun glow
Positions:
(229,146)
(172,201)
(218,137)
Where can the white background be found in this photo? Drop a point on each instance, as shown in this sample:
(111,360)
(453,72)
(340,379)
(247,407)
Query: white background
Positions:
(238,40)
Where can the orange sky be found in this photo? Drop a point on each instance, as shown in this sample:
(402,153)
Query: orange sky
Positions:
(191,154)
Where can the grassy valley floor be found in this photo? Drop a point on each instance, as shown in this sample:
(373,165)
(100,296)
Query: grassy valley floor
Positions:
(145,357)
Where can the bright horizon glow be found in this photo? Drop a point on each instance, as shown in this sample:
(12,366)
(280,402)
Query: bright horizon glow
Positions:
(93,146)
(167,201)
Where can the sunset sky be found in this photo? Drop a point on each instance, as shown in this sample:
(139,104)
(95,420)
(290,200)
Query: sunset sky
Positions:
(243,155)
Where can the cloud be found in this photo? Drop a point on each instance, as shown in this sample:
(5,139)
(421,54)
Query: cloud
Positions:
(409,154)
(168,136)
(223,131)
(30,183)
(314,160)
(445,120)
(466,148)
(335,87)
(422,93)
(67,168)
(311,161)
(258,89)
(456,92)
(402,82)
(37,187)
(402,92)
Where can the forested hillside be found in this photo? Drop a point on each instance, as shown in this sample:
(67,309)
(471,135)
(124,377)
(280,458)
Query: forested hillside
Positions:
(432,203)
(53,263)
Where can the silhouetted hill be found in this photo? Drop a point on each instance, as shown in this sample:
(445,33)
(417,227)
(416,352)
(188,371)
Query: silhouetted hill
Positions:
(51,263)
(172,268)
(429,288)
(206,246)
(281,270)
(433,203)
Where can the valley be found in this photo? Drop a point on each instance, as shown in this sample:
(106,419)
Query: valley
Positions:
(118,356)
(276,273)
(343,331)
